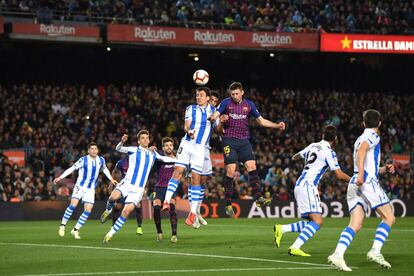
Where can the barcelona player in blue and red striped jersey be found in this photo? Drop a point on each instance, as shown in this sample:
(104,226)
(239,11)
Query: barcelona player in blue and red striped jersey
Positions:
(235,112)
(165,172)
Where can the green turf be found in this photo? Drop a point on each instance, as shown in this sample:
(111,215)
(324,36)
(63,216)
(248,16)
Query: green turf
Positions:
(251,238)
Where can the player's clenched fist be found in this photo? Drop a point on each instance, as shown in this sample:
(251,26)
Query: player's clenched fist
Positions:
(124,138)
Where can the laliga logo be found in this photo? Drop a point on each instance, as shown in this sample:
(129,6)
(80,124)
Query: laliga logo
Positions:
(53,30)
(149,34)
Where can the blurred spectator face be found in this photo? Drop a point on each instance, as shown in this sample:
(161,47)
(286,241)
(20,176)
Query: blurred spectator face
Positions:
(93,151)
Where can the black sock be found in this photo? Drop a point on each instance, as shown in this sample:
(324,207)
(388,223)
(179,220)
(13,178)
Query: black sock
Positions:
(254,181)
(157,218)
(138,214)
(173,219)
(228,189)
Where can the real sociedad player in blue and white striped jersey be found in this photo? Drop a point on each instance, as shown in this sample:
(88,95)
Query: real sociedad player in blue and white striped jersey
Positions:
(319,157)
(365,189)
(192,150)
(132,186)
(207,171)
(89,167)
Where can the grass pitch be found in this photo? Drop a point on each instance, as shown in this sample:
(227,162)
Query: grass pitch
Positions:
(224,247)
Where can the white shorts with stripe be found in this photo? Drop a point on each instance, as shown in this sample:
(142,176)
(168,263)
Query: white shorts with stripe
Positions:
(190,153)
(369,194)
(307,198)
(84,194)
(207,166)
(132,193)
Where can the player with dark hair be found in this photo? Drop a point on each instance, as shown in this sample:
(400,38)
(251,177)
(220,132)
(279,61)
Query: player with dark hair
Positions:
(236,145)
(191,152)
(318,158)
(132,186)
(88,167)
(364,190)
(165,171)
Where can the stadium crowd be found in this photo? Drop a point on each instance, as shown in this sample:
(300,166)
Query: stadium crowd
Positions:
(53,124)
(362,16)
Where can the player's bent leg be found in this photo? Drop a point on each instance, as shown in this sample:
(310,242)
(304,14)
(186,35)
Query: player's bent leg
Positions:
(115,195)
(82,219)
(173,221)
(229,188)
(138,216)
(66,216)
(129,207)
(381,234)
(279,230)
(307,233)
(157,218)
(172,186)
(254,182)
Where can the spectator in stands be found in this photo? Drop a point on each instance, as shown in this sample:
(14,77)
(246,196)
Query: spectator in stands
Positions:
(56,141)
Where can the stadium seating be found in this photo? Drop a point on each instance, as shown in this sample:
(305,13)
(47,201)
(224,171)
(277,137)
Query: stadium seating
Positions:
(54,123)
(278,15)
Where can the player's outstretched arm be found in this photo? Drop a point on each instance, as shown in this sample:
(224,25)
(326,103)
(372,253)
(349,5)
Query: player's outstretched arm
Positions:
(69,171)
(165,159)
(120,147)
(64,174)
(360,159)
(108,175)
(269,124)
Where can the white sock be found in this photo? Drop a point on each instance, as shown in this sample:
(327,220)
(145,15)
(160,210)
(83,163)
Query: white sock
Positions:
(345,240)
(381,235)
(307,233)
(195,194)
(172,187)
(82,219)
(294,227)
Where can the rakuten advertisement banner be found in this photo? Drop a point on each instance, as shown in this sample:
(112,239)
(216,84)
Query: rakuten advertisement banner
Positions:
(211,38)
(388,44)
(56,32)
